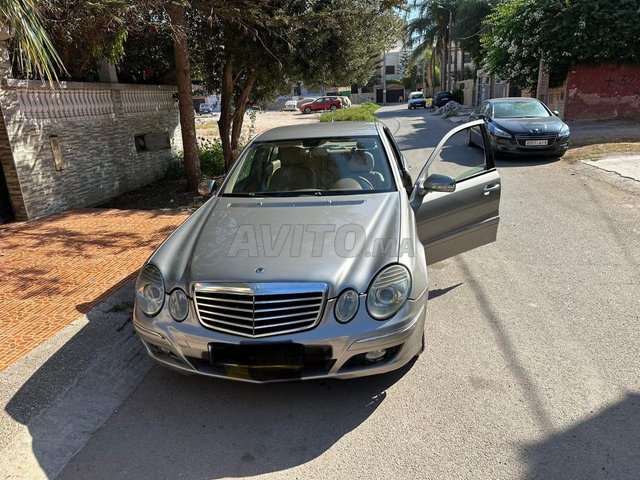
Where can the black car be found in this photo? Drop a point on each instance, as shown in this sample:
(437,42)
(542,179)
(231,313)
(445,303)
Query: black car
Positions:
(521,126)
(442,98)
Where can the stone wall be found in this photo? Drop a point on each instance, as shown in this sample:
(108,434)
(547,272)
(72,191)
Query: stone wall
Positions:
(604,91)
(74,145)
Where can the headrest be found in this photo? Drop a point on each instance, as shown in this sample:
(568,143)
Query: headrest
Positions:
(292,156)
(360,161)
(346,184)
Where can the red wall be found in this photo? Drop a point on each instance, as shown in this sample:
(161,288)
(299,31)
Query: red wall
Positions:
(603,91)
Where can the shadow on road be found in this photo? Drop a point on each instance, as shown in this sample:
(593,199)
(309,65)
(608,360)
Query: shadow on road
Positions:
(604,446)
(174,426)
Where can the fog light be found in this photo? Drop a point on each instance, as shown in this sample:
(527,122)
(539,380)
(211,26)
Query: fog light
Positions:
(375,355)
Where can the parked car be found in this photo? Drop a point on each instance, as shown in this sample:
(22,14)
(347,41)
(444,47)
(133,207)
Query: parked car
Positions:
(521,126)
(441,99)
(290,106)
(417,100)
(337,285)
(322,103)
(205,108)
(305,100)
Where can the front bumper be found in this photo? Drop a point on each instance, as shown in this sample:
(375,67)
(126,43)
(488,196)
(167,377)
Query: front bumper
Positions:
(507,146)
(337,350)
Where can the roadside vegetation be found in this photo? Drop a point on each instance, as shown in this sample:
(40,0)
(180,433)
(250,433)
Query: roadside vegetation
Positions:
(599,151)
(358,113)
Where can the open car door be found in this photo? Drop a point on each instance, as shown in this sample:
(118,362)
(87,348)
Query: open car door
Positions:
(456,198)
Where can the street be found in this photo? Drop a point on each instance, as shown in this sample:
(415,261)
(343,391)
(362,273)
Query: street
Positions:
(530,368)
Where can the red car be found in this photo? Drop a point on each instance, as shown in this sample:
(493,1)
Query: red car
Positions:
(322,103)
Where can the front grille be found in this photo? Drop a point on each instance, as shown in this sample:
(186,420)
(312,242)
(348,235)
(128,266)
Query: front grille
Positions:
(550,137)
(260,309)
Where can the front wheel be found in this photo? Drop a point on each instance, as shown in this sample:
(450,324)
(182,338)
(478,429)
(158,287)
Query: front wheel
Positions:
(307,110)
(333,108)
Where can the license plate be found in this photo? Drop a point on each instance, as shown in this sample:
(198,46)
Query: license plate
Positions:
(284,355)
(536,143)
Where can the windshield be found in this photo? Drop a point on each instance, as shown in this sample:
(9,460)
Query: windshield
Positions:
(416,95)
(519,109)
(318,166)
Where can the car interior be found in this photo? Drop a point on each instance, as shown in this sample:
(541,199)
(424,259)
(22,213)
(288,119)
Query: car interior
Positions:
(352,164)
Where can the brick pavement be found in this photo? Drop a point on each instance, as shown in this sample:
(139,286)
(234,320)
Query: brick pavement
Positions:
(55,269)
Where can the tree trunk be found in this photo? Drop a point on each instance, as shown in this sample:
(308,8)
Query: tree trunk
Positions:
(185,102)
(224,124)
(433,74)
(455,66)
(241,109)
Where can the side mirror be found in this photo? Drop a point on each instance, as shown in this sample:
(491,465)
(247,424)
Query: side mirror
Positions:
(437,183)
(556,113)
(206,187)
(480,116)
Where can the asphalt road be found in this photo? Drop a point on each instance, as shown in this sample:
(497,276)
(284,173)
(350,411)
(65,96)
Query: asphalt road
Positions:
(530,368)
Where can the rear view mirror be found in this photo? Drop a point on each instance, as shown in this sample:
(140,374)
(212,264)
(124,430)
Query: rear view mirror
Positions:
(438,183)
(206,187)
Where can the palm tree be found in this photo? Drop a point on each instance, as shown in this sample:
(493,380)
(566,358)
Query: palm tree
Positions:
(20,20)
(430,31)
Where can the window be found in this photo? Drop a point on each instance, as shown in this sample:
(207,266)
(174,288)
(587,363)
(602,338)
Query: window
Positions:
(315,166)
(354,89)
(390,70)
(459,160)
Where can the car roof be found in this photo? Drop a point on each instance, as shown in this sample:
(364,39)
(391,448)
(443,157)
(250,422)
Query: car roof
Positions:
(512,99)
(319,130)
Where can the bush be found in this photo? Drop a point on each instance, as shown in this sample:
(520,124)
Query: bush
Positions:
(359,113)
(458,95)
(211,160)
(211,157)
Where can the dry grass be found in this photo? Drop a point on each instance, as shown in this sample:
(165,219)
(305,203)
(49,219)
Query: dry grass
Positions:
(598,151)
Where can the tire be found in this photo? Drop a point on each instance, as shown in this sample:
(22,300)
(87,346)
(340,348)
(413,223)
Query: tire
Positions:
(333,108)
(307,110)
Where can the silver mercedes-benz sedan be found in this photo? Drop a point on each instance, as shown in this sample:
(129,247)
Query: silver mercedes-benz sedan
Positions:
(310,259)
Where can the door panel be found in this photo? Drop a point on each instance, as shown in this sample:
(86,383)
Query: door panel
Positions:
(452,223)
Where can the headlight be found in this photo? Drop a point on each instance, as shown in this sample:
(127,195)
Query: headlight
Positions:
(388,292)
(346,306)
(500,133)
(178,305)
(150,290)
(564,131)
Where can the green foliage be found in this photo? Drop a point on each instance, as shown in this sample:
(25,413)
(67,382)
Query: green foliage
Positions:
(458,95)
(34,51)
(468,25)
(211,160)
(359,113)
(562,33)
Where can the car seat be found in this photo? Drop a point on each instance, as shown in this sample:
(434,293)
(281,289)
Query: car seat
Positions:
(361,166)
(293,174)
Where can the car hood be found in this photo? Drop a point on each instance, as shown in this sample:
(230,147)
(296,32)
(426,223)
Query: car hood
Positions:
(530,125)
(302,239)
